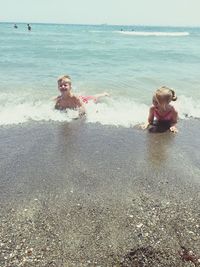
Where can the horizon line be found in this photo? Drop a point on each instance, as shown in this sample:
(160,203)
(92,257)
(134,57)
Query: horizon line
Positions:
(100,24)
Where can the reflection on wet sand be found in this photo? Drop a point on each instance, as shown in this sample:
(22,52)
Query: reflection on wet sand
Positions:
(158,148)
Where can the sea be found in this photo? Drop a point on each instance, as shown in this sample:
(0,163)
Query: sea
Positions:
(128,62)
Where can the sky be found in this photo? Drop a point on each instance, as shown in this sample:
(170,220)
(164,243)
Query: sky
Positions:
(120,12)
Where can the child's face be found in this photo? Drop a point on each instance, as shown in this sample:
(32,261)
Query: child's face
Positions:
(160,103)
(155,103)
(64,86)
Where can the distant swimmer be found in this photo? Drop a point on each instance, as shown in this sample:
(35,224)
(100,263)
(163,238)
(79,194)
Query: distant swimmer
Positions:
(15,26)
(29,27)
(132,30)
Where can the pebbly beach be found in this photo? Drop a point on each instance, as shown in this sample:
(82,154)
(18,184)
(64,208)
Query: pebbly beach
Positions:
(77,194)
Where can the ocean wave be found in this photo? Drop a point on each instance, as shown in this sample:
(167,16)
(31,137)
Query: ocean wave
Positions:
(123,112)
(135,33)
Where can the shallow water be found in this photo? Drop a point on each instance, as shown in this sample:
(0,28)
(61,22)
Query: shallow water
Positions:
(128,62)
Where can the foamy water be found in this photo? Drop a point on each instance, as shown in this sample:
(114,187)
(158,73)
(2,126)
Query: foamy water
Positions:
(129,62)
(118,112)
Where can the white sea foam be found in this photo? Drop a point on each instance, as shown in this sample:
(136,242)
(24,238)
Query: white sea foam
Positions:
(123,112)
(142,33)
(187,107)
(24,112)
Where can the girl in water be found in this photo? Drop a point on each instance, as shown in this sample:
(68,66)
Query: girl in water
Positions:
(162,115)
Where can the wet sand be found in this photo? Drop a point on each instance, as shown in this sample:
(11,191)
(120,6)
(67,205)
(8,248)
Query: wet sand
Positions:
(76,194)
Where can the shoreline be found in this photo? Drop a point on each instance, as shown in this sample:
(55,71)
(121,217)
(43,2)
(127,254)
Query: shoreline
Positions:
(76,194)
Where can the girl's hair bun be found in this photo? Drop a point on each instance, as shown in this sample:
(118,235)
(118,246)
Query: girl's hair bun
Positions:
(174,97)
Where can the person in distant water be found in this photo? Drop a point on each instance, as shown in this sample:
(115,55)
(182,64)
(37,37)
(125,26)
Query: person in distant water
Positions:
(162,115)
(68,100)
(15,26)
(29,27)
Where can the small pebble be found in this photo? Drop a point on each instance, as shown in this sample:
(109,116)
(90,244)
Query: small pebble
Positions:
(139,225)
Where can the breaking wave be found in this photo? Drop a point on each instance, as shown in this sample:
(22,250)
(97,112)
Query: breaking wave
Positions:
(124,112)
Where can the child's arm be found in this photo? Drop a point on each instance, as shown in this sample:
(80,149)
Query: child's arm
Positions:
(99,96)
(150,119)
(174,122)
(81,107)
(56,100)
(82,111)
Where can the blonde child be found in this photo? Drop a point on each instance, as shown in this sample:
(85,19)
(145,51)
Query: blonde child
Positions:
(162,115)
(68,99)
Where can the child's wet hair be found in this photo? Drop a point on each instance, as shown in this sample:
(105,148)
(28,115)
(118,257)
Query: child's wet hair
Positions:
(165,93)
(64,78)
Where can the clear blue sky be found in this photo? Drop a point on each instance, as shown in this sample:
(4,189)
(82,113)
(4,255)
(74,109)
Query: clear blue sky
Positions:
(146,12)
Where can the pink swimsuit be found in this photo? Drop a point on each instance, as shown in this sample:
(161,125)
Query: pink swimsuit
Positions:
(166,117)
(85,99)
(161,123)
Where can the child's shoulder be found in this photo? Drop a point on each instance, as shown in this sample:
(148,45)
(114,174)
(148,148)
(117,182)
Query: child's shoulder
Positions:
(76,97)
(77,100)
(172,108)
(175,112)
(152,108)
(56,98)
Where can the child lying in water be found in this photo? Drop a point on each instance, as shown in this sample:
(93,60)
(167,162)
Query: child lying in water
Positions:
(69,100)
(162,115)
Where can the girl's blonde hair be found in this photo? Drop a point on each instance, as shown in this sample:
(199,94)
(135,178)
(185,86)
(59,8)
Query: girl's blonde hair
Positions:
(64,78)
(164,93)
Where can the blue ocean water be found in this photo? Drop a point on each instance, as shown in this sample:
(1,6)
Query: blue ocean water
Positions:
(129,62)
